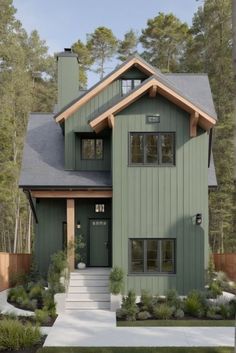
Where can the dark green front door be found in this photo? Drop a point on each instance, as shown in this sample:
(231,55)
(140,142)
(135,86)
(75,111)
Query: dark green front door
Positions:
(99,242)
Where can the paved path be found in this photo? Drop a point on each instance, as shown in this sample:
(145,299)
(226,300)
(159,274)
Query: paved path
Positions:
(6,308)
(98,329)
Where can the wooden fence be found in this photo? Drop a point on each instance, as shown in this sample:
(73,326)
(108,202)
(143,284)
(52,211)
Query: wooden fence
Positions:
(226,263)
(12,265)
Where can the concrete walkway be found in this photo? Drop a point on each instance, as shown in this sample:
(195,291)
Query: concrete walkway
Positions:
(6,308)
(98,329)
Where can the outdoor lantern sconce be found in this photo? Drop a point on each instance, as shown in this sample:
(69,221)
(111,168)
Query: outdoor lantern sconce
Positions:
(78,225)
(198,219)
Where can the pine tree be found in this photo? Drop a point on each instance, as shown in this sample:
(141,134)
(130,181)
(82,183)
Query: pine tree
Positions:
(127,46)
(102,44)
(85,61)
(164,40)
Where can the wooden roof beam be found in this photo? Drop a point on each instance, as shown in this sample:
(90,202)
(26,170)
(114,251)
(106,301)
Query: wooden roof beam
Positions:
(193,123)
(153,91)
(111,121)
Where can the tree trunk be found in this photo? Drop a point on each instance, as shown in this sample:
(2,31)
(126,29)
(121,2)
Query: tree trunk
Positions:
(16,224)
(234,68)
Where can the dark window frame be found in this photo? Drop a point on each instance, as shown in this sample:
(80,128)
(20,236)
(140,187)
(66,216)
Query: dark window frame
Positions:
(159,149)
(94,139)
(145,272)
(132,84)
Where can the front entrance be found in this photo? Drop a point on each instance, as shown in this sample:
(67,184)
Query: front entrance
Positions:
(99,244)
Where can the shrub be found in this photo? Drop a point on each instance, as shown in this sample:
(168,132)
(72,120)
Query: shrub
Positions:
(49,303)
(129,306)
(143,315)
(173,299)
(232,305)
(146,301)
(163,311)
(57,266)
(17,279)
(36,291)
(121,314)
(14,335)
(42,316)
(213,313)
(215,289)
(195,304)
(179,314)
(17,295)
(116,280)
(225,311)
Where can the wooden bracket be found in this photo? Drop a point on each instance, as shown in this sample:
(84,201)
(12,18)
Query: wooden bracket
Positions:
(111,121)
(153,91)
(193,124)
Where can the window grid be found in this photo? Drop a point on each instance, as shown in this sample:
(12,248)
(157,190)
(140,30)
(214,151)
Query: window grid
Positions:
(144,148)
(160,256)
(92,149)
(128,85)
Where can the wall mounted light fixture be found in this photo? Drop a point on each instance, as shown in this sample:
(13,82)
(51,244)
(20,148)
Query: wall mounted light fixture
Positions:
(198,219)
(78,225)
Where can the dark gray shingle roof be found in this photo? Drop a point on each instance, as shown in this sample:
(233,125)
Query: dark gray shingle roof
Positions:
(43,159)
(193,87)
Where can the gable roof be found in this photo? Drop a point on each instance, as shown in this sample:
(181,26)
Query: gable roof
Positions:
(166,88)
(134,60)
(43,159)
(190,91)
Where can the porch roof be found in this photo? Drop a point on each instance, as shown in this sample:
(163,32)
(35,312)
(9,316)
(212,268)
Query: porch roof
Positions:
(43,159)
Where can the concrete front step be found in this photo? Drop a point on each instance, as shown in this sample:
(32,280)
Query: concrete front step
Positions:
(87,305)
(92,271)
(90,289)
(84,276)
(88,297)
(89,282)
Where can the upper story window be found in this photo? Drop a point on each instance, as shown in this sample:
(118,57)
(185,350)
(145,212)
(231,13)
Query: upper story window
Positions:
(152,148)
(128,84)
(92,149)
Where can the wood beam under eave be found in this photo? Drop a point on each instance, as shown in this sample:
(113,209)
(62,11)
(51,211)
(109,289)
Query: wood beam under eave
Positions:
(111,121)
(193,124)
(101,126)
(153,91)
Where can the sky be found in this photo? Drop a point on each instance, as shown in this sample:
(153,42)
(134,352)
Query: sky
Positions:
(61,22)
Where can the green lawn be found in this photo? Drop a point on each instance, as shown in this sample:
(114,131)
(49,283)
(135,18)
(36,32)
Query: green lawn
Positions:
(184,323)
(135,350)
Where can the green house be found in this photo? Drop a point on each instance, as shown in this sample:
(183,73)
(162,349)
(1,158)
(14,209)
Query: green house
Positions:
(127,167)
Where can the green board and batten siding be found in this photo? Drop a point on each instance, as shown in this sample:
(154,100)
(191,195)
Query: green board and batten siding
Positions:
(79,121)
(152,202)
(49,231)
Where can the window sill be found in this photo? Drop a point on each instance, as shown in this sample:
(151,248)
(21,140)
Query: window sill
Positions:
(151,274)
(152,165)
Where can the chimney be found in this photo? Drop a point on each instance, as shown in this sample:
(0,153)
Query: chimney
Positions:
(67,77)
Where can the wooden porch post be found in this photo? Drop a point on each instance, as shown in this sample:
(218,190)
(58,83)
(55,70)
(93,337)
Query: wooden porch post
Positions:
(70,214)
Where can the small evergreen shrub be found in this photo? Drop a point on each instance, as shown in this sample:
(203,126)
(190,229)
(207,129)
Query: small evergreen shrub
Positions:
(163,311)
(17,295)
(143,315)
(116,280)
(129,306)
(179,314)
(215,289)
(42,316)
(14,335)
(195,304)
(146,301)
(213,313)
(36,291)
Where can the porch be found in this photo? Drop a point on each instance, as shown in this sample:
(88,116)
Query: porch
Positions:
(85,216)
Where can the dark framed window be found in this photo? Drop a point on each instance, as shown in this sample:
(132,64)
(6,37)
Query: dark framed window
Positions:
(92,149)
(152,148)
(152,256)
(128,84)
